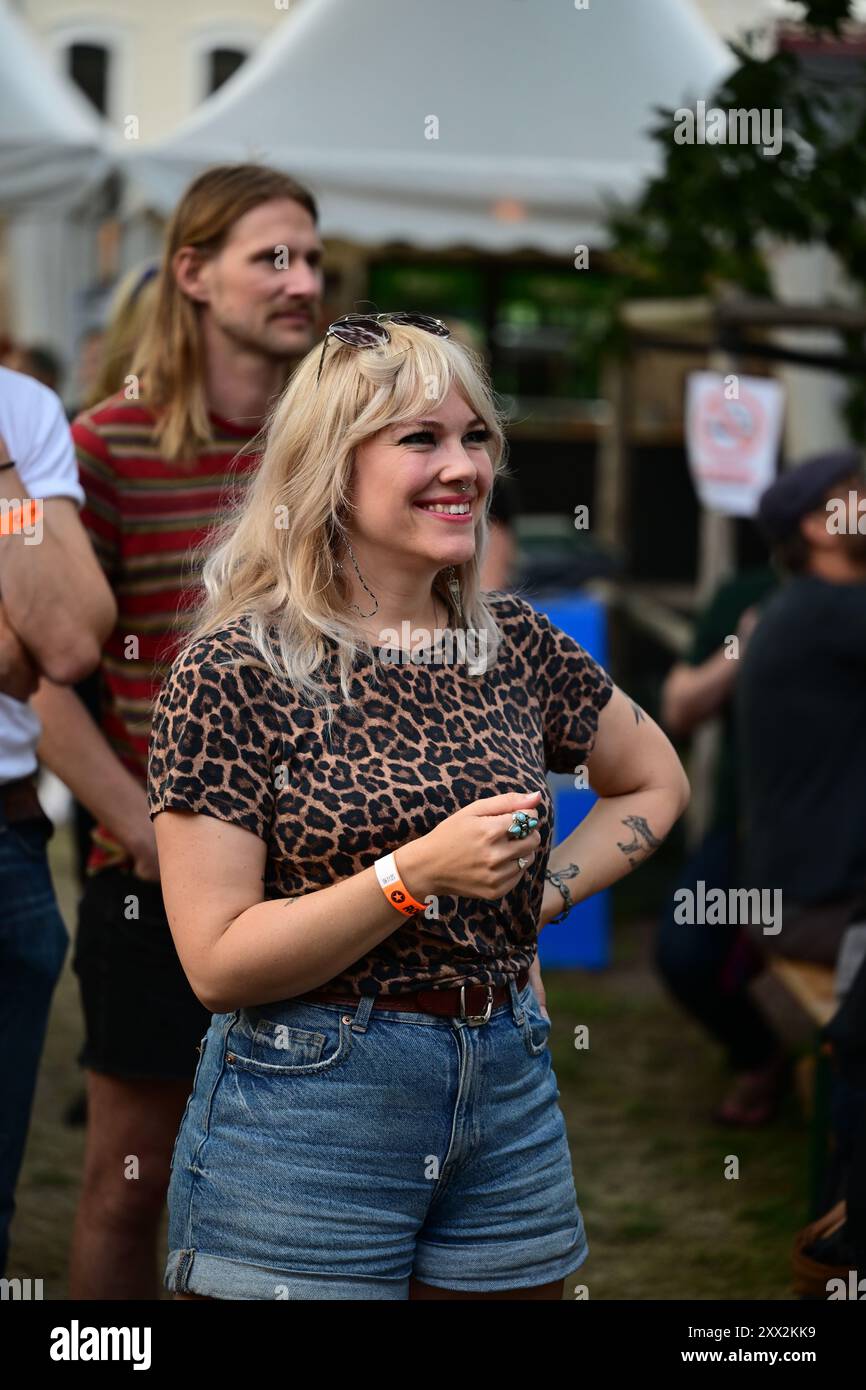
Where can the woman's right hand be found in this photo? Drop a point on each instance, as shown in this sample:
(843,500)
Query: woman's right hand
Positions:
(469,854)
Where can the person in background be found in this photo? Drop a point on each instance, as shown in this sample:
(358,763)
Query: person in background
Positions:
(42,363)
(801,711)
(105,364)
(801,705)
(45,366)
(236,302)
(88,362)
(15,357)
(707,969)
(499,567)
(500,563)
(132,305)
(56,609)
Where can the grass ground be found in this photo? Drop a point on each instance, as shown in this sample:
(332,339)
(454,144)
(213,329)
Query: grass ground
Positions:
(662,1219)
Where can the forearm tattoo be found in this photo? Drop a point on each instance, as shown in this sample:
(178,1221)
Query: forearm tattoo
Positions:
(643,842)
(570,871)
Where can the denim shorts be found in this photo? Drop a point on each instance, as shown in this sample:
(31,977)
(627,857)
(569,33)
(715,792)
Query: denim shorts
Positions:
(330,1151)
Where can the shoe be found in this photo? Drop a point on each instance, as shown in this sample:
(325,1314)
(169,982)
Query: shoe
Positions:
(814,1259)
(754,1097)
(833,1249)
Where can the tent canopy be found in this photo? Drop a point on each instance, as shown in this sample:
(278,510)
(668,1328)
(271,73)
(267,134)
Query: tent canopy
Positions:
(497,123)
(54,148)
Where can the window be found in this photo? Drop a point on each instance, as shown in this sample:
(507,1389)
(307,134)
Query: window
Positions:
(222,63)
(87,64)
(217,50)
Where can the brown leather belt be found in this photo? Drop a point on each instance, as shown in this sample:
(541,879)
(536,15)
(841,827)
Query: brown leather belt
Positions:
(19,801)
(474,1002)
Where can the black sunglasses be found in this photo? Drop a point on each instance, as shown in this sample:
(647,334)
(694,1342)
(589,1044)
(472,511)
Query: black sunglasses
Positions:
(368,330)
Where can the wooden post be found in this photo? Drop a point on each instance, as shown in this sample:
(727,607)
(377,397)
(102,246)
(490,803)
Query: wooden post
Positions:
(716,538)
(716,561)
(612,461)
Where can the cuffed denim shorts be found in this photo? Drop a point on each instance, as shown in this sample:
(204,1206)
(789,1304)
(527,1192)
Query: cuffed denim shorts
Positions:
(331,1151)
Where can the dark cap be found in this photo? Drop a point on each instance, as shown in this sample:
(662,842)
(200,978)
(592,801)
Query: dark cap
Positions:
(801,489)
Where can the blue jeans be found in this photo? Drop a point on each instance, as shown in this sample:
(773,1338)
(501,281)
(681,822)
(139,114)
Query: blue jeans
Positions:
(331,1154)
(33,945)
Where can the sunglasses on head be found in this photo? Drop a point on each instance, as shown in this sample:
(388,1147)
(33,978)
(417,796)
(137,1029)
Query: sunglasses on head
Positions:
(368,330)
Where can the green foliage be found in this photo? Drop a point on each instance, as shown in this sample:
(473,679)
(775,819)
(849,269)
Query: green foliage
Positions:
(704,221)
(826,14)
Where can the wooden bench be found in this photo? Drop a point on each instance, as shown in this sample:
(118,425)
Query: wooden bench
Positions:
(813,987)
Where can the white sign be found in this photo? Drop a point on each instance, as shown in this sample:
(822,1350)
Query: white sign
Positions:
(733,430)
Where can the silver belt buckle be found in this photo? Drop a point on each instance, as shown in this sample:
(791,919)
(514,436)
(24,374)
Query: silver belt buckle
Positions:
(476,1018)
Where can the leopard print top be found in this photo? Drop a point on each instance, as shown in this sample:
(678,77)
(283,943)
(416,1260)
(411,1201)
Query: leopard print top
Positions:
(235,743)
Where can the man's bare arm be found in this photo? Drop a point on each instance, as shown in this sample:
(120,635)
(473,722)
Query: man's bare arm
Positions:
(75,749)
(55,595)
(693,694)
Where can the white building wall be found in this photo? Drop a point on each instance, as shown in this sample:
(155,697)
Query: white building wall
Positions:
(158,48)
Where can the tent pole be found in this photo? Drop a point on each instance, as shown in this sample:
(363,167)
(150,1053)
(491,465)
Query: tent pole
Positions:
(612,470)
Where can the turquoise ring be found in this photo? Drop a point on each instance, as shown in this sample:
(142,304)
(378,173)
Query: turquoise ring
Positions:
(521,824)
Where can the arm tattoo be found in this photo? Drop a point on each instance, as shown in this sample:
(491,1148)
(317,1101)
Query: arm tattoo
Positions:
(637,712)
(570,871)
(642,840)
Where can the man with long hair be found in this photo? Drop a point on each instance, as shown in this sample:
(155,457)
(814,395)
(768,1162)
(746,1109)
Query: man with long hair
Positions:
(235,303)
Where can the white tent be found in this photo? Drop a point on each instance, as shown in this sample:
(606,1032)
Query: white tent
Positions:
(53,146)
(55,152)
(492,123)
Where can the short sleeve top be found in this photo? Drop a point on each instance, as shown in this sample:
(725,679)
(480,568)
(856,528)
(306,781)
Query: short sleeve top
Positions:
(232,741)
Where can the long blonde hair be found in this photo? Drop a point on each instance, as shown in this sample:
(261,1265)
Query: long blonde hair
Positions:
(171,359)
(131,305)
(274,560)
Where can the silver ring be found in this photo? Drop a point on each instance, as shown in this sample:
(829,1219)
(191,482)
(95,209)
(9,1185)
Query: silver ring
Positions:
(523,863)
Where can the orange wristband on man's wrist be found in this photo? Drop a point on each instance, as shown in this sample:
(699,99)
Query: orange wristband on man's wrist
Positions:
(394,888)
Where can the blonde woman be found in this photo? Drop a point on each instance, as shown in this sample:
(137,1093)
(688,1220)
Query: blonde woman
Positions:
(129,312)
(347,780)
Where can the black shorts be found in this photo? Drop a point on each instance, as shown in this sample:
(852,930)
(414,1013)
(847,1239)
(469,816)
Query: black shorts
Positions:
(141,1017)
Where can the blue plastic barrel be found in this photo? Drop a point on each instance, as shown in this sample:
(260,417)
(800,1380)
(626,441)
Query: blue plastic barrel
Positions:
(583,938)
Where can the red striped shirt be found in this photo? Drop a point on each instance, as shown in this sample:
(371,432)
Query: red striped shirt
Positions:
(144,516)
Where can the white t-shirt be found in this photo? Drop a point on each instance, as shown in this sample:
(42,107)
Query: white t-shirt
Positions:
(36,433)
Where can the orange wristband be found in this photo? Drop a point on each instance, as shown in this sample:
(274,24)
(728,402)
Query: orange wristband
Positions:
(394,888)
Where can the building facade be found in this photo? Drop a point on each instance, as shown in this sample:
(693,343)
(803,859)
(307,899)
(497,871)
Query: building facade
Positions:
(147,67)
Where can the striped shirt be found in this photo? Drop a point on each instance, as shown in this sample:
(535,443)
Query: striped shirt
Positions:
(144,516)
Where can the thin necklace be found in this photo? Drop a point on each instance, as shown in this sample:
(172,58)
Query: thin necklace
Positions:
(435,623)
